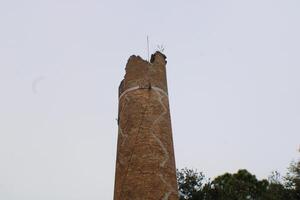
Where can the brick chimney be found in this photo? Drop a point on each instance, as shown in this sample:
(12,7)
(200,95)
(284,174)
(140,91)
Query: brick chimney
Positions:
(145,164)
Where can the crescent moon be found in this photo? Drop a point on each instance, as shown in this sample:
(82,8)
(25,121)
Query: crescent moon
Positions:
(35,83)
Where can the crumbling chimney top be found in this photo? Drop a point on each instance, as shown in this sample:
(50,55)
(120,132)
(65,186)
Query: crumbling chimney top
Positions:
(158,54)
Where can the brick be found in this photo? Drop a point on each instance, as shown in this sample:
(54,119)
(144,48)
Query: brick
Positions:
(145,165)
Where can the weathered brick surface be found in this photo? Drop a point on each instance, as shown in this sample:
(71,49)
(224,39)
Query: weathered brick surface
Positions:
(145,167)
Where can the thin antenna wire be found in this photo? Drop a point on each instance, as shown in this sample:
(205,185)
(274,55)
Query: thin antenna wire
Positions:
(148,47)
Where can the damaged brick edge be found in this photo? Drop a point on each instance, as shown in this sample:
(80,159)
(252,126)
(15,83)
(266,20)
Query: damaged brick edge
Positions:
(152,59)
(155,57)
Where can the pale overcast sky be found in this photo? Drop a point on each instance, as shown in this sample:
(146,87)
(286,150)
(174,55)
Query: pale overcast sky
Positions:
(233,75)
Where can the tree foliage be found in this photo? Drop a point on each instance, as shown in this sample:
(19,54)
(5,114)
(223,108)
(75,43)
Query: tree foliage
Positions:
(293,179)
(241,185)
(189,182)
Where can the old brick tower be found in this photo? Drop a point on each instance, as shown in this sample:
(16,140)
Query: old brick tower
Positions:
(145,166)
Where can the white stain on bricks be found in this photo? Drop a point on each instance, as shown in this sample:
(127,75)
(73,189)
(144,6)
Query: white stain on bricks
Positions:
(166,197)
(158,119)
(160,95)
(158,91)
(128,90)
(121,132)
(171,189)
(123,135)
